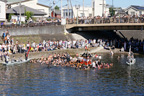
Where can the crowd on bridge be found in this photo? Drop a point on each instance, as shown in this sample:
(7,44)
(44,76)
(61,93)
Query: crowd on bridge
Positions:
(108,19)
(83,20)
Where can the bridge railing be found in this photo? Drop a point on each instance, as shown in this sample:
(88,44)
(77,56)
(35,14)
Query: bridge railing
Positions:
(106,20)
(9,26)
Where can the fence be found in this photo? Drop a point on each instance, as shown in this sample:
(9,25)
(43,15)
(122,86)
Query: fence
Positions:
(99,20)
(9,26)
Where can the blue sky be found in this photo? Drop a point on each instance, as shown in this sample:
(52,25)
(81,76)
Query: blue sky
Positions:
(117,3)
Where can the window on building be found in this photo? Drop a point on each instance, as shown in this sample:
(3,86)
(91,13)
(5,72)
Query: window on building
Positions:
(132,13)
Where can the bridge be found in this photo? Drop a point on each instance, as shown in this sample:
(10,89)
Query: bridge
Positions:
(106,26)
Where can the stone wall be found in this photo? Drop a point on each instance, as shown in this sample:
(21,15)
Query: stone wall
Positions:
(35,30)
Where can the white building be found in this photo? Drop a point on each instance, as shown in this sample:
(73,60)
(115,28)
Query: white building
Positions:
(73,12)
(135,10)
(87,11)
(2,11)
(99,7)
(35,5)
(15,19)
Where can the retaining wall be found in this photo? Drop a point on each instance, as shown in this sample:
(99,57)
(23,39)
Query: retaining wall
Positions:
(53,29)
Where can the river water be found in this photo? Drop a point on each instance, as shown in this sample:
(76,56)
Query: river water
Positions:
(38,80)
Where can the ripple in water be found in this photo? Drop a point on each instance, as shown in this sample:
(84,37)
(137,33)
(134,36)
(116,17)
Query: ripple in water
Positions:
(35,79)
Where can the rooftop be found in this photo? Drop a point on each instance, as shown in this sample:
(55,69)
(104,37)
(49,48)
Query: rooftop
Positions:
(4,0)
(14,1)
(138,7)
(24,8)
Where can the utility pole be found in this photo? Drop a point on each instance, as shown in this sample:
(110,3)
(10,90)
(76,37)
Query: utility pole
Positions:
(77,7)
(83,9)
(72,12)
(20,13)
(68,8)
(54,9)
(112,7)
(61,10)
(103,11)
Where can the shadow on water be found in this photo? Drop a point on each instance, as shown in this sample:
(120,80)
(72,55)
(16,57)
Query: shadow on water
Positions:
(36,79)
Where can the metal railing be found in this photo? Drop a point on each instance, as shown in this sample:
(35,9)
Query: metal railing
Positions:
(106,20)
(9,26)
(96,20)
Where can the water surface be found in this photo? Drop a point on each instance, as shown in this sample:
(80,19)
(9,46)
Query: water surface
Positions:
(38,80)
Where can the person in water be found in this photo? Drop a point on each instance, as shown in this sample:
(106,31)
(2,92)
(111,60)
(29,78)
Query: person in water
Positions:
(6,58)
(20,59)
(13,59)
(26,56)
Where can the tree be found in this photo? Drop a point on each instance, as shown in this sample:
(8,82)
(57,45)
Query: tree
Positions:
(28,14)
(10,16)
(56,7)
(111,11)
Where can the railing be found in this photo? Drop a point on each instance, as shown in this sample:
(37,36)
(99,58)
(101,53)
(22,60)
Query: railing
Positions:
(107,20)
(9,26)
(80,21)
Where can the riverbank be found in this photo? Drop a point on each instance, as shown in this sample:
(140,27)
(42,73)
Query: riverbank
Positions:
(72,52)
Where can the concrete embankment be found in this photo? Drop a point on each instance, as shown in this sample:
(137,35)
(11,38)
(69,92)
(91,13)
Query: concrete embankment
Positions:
(40,33)
(53,32)
(24,31)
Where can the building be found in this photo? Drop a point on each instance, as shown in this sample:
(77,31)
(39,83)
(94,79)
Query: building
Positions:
(73,12)
(99,7)
(135,10)
(2,11)
(119,11)
(87,12)
(65,12)
(16,10)
(15,19)
(32,4)
(57,14)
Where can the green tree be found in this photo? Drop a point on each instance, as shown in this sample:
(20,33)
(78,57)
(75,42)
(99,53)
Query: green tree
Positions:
(28,14)
(10,16)
(56,7)
(111,11)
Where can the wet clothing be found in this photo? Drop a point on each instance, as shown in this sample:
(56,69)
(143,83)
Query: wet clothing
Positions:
(99,63)
(26,56)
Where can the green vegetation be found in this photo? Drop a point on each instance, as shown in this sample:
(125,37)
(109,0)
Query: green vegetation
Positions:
(56,7)
(28,14)
(10,16)
(22,22)
(111,11)
(34,19)
(48,19)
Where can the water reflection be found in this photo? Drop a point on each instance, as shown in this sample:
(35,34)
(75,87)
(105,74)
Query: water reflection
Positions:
(36,79)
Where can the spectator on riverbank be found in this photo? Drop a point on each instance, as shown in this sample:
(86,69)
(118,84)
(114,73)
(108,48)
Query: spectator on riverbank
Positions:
(50,45)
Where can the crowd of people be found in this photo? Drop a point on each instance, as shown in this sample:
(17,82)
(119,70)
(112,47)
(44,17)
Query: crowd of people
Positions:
(82,20)
(65,60)
(108,19)
(9,46)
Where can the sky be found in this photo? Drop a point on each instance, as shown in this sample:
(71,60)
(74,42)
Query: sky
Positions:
(117,3)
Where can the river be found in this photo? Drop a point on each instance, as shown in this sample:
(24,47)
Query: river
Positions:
(37,80)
